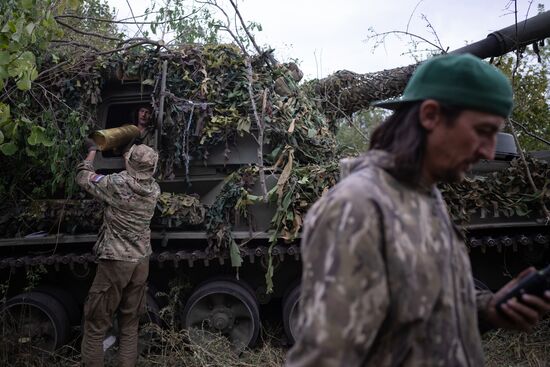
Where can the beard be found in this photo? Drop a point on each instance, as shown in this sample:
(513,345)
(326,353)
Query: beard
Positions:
(451,176)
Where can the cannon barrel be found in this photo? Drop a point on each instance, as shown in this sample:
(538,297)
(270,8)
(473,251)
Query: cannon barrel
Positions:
(346,92)
(510,38)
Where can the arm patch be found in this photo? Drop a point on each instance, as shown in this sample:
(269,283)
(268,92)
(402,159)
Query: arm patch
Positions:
(95,178)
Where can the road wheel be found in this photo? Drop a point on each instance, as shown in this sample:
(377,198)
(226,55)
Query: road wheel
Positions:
(34,322)
(223,307)
(64,297)
(290,313)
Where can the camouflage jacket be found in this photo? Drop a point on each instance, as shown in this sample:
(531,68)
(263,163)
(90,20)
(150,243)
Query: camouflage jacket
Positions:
(130,204)
(386,278)
(147,137)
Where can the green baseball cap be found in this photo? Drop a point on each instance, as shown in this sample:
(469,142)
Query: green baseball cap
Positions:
(459,80)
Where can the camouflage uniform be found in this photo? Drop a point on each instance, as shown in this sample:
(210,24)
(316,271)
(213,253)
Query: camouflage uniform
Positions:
(386,279)
(147,137)
(123,248)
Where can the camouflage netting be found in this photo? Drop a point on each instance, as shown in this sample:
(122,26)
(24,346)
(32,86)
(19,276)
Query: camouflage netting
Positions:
(505,193)
(177,210)
(51,216)
(208,104)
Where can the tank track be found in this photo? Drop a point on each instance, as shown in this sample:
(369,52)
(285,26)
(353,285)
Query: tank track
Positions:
(280,253)
(164,258)
(507,241)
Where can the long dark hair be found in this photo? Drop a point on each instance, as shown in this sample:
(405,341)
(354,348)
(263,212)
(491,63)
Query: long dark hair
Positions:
(402,135)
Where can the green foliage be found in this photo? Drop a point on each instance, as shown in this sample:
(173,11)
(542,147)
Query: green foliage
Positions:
(221,215)
(353,137)
(188,22)
(27,27)
(92,17)
(33,276)
(531,95)
(27,133)
(184,22)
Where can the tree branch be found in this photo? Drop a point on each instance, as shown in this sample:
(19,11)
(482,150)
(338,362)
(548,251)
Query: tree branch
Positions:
(86,33)
(143,41)
(227,27)
(259,123)
(249,35)
(525,130)
(73,43)
(134,18)
(384,34)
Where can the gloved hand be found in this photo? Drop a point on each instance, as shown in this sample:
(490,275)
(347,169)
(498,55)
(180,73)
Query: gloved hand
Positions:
(90,145)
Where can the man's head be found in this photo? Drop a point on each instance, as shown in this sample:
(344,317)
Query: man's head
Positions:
(144,116)
(447,118)
(141,161)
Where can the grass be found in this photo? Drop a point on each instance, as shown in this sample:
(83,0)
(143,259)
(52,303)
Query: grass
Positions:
(172,348)
(505,348)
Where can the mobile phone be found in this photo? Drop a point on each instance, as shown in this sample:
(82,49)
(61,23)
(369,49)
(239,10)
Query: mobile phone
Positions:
(535,284)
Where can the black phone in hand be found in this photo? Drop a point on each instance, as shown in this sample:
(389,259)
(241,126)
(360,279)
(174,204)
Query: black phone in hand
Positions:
(535,284)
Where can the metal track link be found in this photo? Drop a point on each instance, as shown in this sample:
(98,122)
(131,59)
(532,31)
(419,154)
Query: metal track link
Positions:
(164,258)
(190,257)
(513,241)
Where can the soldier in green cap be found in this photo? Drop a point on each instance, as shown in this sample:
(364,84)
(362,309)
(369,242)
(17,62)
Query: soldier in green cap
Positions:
(386,277)
(123,248)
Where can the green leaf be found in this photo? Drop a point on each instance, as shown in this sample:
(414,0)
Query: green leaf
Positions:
(4,112)
(4,57)
(269,274)
(24,84)
(9,128)
(19,27)
(24,63)
(26,4)
(37,135)
(83,130)
(8,148)
(6,28)
(235,254)
(29,28)
(33,74)
(148,82)
(244,125)
(47,142)
(1,137)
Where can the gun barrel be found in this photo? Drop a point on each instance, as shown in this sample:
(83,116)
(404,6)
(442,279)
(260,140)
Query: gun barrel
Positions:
(510,38)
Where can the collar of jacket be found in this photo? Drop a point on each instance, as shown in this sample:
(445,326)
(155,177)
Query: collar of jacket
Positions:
(377,158)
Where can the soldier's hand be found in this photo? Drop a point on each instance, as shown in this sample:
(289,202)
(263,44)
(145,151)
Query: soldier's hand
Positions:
(90,145)
(518,315)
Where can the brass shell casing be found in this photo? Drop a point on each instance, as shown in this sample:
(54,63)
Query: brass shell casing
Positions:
(108,139)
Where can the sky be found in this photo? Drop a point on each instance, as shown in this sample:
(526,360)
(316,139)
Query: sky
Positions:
(327,36)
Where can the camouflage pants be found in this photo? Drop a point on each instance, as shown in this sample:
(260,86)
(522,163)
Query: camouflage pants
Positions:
(117,285)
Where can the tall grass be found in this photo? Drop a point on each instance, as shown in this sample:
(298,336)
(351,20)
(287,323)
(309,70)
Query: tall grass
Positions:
(172,348)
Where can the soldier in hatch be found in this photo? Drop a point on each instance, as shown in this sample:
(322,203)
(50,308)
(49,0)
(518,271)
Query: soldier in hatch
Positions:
(123,248)
(386,276)
(146,128)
